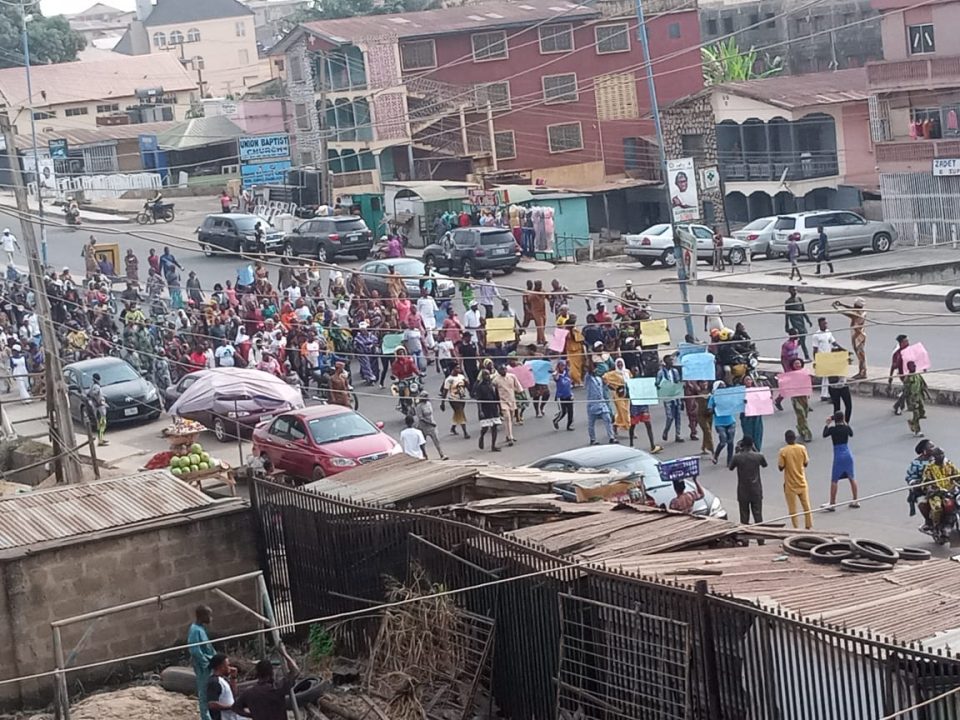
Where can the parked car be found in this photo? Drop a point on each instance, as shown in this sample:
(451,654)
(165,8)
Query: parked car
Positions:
(231,401)
(410,269)
(656,243)
(758,235)
(327,237)
(470,251)
(129,397)
(233,233)
(626,459)
(845,231)
(322,440)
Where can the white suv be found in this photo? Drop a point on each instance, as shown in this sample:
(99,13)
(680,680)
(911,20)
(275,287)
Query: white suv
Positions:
(845,231)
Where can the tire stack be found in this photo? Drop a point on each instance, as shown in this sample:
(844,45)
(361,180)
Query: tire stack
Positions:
(859,556)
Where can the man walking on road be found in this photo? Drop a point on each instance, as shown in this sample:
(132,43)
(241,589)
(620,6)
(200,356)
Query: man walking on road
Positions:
(858,334)
(747,462)
(10,244)
(823,342)
(792,461)
(823,250)
(897,366)
(795,316)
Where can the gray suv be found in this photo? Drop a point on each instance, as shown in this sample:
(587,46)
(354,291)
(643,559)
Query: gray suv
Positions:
(845,231)
(472,250)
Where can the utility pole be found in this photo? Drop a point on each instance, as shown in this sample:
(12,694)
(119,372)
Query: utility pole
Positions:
(33,131)
(324,159)
(58,408)
(655,111)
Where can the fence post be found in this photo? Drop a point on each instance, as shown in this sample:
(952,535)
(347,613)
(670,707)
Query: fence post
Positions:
(93,451)
(935,233)
(916,234)
(953,236)
(710,673)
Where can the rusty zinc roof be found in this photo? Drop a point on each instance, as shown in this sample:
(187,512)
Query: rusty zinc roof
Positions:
(797,91)
(75,511)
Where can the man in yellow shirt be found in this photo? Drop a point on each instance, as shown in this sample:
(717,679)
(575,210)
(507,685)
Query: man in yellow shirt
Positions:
(793,460)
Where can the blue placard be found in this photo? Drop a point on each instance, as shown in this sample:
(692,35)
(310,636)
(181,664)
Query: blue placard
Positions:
(680,469)
(729,401)
(643,391)
(267,173)
(254,148)
(699,366)
(690,349)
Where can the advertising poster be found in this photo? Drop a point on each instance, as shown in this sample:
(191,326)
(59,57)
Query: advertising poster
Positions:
(682,181)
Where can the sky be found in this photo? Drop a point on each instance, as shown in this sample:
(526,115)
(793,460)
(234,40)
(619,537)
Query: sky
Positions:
(69,7)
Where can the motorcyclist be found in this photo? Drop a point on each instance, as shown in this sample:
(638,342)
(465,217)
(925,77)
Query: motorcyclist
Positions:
(403,366)
(394,246)
(743,343)
(914,479)
(72,211)
(726,354)
(940,478)
(153,202)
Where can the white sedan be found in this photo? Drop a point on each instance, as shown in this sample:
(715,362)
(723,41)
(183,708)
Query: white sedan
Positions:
(656,243)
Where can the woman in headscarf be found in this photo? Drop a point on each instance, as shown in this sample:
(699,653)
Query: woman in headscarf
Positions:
(574,351)
(616,380)
(455,390)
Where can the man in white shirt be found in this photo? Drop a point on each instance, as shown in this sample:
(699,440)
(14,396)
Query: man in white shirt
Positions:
(427,309)
(225,354)
(412,440)
(222,688)
(712,315)
(10,244)
(823,341)
(472,321)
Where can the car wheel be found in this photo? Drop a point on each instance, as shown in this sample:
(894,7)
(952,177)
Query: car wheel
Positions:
(647,262)
(363,254)
(864,565)
(813,251)
(321,253)
(801,545)
(911,554)
(669,258)
(882,242)
(508,270)
(831,553)
(318,473)
(207,250)
(470,269)
(737,256)
(953,305)
(769,254)
(220,430)
(288,250)
(873,550)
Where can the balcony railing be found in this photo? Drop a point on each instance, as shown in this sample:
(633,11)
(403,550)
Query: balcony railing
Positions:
(925,72)
(916,151)
(352,179)
(763,168)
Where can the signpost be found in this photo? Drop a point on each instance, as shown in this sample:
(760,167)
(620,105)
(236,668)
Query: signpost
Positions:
(946,167)
(264,159)
(682,183)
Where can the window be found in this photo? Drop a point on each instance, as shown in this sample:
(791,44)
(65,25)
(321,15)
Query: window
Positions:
(556,38)
(612,38)
(44,114)
(727,25)
(303,116)
(505,144)
(159,39)
(74,112)
(296,69)
(243,57)
(693,146)
(772,20)
(240,27)
(565,137)
(176,38)
(921,39)
(193,35)
(711,26)
(418,55)
(673,30)
(560,88)
(489,46)
(754,19)
(497,94)
(102,109)
(198,62)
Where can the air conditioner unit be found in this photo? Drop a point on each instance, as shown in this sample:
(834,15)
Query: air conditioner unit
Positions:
(230,170)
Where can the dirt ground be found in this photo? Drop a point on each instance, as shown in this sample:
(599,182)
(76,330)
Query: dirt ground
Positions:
(143,702)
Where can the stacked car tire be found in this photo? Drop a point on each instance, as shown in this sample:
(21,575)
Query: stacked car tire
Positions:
(853,555)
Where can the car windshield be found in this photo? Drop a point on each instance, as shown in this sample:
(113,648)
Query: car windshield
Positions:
(245,224)
(759,224)
(350,225)
(344,426)
(644,464)
(111,374)
(497,238)
(409,267)
(784,223)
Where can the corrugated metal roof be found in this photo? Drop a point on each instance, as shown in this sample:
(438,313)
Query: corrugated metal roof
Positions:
(797,91)
(89,136)
(78,510)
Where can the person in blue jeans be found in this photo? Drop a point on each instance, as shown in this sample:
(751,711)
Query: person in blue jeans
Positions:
(200,655)
(668,373)
(726,426)
(598,408)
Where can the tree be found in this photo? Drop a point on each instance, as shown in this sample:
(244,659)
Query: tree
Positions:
(725,62)
(333,9)
(51,39)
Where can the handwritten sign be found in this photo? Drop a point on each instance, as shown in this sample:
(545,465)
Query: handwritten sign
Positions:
(523,374)
(917,354)
(670,390)
(654,332)
(500,330)
(831,364)
(391,342)
(796,383)
(729,401)
(643,391)
(699,366)
(559,340)
(759,401)
(690,349)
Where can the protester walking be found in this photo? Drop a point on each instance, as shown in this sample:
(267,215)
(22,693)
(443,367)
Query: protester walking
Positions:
(705,418)
(747,462)
(840,433)
(426,423)
(796,318)
(858,334)
(823,341)
(564,396)
(726,426)
(488,410)
(598,408)
(10,245)
(412,440)
(671,407)
(97,405)
(840,394)
(455,391)
(916,393)
(823,250)
(897,366)
(793,255)
(752,426)
(718,263)
(792,460)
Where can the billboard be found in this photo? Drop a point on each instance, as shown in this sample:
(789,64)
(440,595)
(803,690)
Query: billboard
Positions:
(255,148)
(682,182)
(265,173)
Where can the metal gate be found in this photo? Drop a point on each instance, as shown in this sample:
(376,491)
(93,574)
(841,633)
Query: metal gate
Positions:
(924,208)
(621,664)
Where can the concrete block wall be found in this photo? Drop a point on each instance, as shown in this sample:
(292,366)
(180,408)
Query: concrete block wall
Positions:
(59,583)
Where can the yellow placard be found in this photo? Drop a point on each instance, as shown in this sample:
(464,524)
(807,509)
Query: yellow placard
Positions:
(500,330)
(654,332)
(831,364)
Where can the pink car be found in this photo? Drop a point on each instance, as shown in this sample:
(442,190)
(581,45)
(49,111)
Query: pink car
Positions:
(322,440)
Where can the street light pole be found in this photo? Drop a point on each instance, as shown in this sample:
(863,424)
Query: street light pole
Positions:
(33,131)
(655,111)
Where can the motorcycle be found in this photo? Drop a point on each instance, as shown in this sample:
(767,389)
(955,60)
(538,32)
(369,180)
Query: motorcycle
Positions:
(745,366)
(155,212)
(406,391)
(949,519)
(71,214)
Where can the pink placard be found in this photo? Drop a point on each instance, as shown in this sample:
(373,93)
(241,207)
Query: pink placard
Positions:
(759,402)
(523,374)
(797,383)
(916,353)
(559,340)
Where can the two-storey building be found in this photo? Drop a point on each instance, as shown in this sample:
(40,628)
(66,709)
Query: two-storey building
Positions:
(550,91)
(915,117)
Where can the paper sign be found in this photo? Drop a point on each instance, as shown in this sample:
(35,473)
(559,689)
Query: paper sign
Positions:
(796,383)
(643,391)
(699,366)
(391,342)
(690,349)
(501,330)
(523,374)
(559,340)
(831,364)
(654,332)
(729,401)
(759,402)
(670,390)
(916,353)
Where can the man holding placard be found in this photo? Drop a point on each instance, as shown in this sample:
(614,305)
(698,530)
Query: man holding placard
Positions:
(823,342)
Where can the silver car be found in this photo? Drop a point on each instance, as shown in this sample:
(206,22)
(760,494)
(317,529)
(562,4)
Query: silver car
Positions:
(656,243)
(758,234)
(845,231)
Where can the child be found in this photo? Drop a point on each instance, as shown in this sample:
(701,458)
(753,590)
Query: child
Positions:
(793,255)
(792,461)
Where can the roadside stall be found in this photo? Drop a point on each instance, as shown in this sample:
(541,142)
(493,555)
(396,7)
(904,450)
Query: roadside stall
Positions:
(413,206)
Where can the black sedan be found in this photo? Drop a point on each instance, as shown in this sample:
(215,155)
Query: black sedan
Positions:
(129,396)
(621,458)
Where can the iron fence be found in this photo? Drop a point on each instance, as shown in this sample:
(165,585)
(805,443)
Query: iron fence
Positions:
(578,641)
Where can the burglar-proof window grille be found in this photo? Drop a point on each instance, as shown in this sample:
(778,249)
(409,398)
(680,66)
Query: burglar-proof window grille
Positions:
(556,38)
(560,88)
(418,55)
(565,138)
(505,144)
(612,38)
(489,45)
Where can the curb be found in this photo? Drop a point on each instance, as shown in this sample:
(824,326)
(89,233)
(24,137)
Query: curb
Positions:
(112,220)
(813,290)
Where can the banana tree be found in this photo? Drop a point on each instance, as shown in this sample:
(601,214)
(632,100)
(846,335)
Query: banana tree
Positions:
(725,62)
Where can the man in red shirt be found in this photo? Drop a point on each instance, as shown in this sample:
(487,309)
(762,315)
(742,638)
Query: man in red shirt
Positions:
(685,499)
